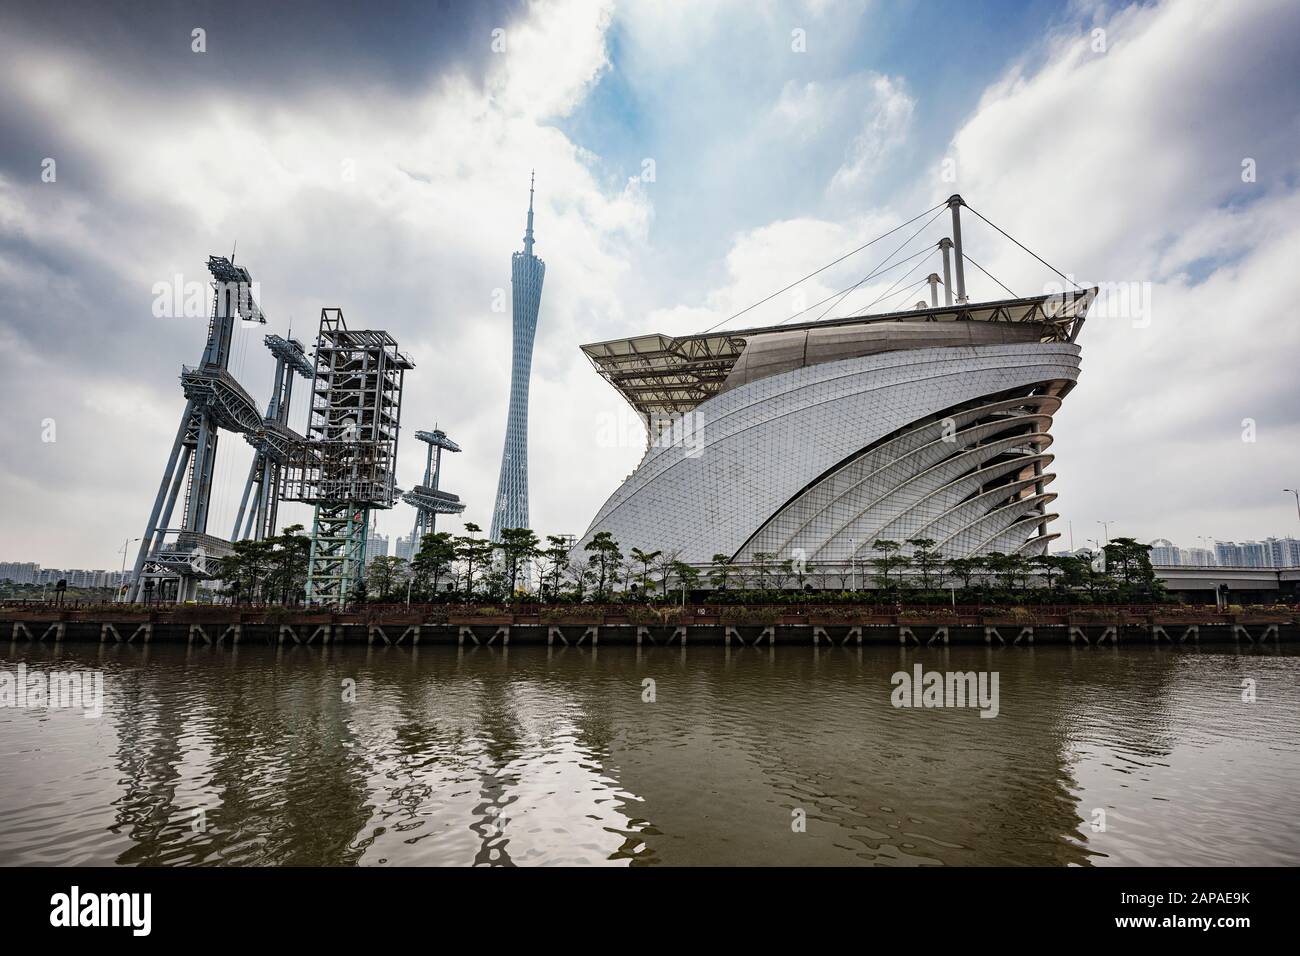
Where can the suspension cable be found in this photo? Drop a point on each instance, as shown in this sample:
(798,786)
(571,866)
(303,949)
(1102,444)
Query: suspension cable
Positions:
(1028,250)
(907,290)
(825,267)
(876,271)
(987,273)
(890,289)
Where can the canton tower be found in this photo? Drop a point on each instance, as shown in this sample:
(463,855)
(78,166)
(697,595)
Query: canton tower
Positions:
(526,275)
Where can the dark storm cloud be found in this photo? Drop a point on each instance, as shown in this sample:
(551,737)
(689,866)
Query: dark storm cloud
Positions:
(252,49)
(277,46)
(255,52)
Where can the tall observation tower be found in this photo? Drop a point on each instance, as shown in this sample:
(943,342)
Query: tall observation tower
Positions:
(526,275)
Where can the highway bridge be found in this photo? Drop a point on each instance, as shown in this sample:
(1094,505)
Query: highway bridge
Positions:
(1244,585)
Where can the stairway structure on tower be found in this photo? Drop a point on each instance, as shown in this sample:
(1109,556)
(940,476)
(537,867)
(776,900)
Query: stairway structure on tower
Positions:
(346,467)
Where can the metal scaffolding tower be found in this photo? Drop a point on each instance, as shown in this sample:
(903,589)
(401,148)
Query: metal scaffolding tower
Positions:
(346,467)
(214,400)
(274,443)
(427,500)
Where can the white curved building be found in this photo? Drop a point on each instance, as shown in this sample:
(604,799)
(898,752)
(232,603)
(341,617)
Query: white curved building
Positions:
(813,441)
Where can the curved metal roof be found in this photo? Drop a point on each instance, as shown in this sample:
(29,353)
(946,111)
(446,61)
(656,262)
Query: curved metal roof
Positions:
(665,375)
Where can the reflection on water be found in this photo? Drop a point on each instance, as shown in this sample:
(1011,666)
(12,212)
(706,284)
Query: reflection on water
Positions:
(350,755)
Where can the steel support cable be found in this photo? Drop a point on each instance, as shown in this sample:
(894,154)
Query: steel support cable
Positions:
(907,291)
(1027,249)
(891,289)
(876,271)
(827,266)
(989,274)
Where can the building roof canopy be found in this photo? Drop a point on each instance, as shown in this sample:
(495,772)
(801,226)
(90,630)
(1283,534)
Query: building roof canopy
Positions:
(664,375)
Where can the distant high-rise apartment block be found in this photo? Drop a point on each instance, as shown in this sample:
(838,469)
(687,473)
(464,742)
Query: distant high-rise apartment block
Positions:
(19,572)
(1247,554)
(1284,552)
(376,546)
(1164,553)
(1197,558)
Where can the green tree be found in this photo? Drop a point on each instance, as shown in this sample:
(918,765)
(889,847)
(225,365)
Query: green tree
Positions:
(385,575)
(1003,567)
(966,569)
(927,561)
(720,571)
(243,570)
(800,567)
(664,565)
(493,583)
(604,556)
(688,577)
(646,558)
(890,560)
(784,572)
(1052,568)
(291,551)
(517,545)
(582,576)
(474,552)
(1132,560)
(1080,573)
(556,557)
(431,562)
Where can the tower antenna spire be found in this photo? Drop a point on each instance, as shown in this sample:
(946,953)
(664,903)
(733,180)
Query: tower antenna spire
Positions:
(528,235)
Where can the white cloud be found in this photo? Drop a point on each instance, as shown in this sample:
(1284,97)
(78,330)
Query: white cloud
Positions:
(888,110)
(415,240)
(1121,167)
(550,58)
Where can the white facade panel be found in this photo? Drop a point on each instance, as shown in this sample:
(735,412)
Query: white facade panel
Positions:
(807,459)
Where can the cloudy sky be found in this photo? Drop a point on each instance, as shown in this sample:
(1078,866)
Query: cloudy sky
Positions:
(691,158)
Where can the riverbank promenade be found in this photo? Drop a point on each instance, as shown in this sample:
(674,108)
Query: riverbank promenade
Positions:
(648,624)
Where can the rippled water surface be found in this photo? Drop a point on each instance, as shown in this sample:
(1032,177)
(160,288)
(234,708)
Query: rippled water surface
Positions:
(256,755)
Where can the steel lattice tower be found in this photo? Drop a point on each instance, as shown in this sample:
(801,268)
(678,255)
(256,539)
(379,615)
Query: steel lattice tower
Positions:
(347,466)
(214,401)
(526,275)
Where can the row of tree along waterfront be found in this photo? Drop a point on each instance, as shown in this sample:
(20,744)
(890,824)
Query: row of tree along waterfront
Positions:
(468,567)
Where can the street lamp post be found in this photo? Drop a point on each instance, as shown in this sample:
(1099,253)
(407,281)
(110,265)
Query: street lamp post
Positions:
(1297,499)
(1105,527)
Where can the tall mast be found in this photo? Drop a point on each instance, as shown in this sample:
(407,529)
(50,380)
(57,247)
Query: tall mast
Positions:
(528,236)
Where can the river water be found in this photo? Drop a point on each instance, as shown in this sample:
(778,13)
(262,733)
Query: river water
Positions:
(748,756)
